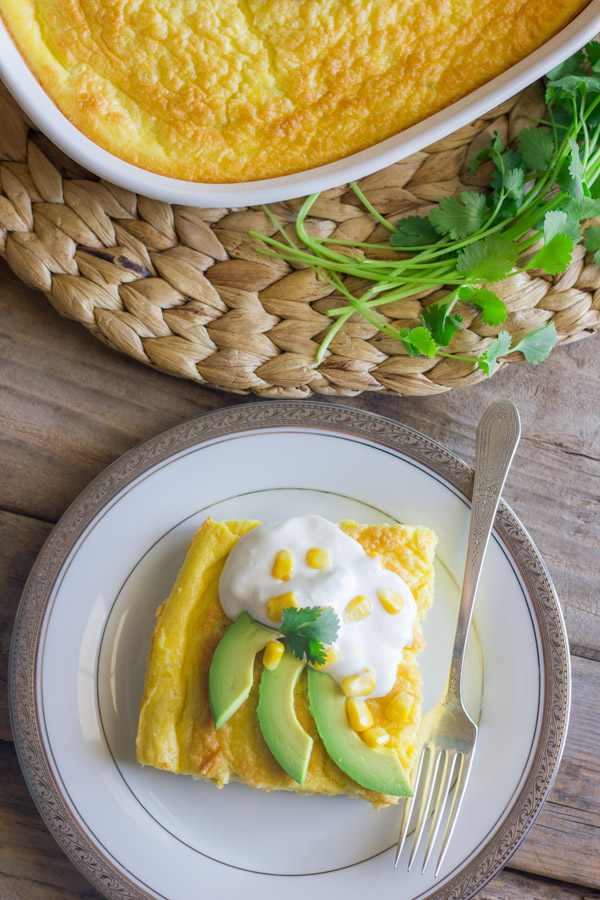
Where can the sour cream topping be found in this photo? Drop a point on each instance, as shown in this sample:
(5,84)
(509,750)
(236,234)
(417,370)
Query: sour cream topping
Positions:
(375,642)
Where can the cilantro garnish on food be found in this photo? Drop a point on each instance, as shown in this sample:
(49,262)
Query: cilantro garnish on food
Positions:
(539,194)
(308,631)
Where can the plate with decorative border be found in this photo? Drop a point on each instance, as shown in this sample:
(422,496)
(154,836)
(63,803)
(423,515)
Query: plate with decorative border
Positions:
(86,617)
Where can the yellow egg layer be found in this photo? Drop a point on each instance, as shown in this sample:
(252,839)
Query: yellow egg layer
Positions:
(239,90)
(176,729)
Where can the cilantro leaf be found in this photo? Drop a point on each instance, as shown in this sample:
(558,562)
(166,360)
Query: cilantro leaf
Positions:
(499,346)
(442,324)
(591,242)
(293,617)
(592,51)
(570,66)
(418,341)
(586,208)
(493,309)
(595,187)
(497,143)
(317,653)
(480,157)
(327,625)
(513,183)
(460,217)
(488,259)
(507,173)
(561,117)
(512,159)
(509,209)
(537,345)
(554,256)
(305,647)
(534,346)
(414,231)
(308,630)
(591,239)
(575,84)
(590,84)
(557,222)
(537,148)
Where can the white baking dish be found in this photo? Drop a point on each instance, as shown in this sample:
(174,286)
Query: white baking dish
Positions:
(38,106)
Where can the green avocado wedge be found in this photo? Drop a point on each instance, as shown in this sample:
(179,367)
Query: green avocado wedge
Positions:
(286,739)
(232,667)
(377,770)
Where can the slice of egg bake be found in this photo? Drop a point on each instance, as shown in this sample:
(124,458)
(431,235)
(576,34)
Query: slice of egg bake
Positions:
(195,668)
(232,91)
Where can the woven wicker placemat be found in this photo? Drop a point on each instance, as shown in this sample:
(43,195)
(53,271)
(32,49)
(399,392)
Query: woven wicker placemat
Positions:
(185,290)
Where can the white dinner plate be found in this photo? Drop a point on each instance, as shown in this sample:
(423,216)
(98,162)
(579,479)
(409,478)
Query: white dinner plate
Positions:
(84,626)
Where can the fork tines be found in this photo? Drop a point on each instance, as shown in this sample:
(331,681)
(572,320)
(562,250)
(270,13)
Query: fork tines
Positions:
(438,767)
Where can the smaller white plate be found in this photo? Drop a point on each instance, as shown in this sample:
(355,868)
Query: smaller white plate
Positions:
(84,626)
(360,832)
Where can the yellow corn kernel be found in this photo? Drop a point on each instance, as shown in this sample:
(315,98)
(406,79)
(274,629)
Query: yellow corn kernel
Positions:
(357,609)
(359,714)
(399,707)
(375,737)
(318,558)
(276,605)
(283,565)
(390,600)
(272,655)
(331,656)
(359,685)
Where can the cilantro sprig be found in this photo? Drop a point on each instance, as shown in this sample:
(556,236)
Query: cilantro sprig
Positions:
(309,630)
(534,346)
(540,192)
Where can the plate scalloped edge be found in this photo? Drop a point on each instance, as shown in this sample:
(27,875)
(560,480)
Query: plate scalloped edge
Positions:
(71,834)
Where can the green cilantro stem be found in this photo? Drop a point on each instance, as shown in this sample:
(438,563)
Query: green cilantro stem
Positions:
(368,205)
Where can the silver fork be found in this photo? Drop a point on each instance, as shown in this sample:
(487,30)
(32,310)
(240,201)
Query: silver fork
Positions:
(448,735)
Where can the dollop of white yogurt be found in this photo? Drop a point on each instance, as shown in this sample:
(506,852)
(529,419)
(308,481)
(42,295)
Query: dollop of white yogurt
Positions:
(375,642)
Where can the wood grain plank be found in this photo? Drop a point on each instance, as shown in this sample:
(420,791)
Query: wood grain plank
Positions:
(21,539)
(565,841)
(31,861)
(70,405)
(27,889)
(509,885)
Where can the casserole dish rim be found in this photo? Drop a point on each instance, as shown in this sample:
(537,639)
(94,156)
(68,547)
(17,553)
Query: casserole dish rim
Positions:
(41,109)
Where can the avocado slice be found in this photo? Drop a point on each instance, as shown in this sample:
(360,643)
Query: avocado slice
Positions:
(286,739)
(378,770)
(232,667)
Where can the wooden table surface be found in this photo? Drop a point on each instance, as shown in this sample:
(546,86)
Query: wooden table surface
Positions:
(70,406)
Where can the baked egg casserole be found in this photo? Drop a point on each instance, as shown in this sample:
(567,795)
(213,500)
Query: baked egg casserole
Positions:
(228,91)
(319,721)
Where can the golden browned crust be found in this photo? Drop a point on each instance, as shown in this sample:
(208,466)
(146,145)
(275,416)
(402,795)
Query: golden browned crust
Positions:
(176,730)
(238,90)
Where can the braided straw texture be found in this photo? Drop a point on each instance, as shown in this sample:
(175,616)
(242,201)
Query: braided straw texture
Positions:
(187,291)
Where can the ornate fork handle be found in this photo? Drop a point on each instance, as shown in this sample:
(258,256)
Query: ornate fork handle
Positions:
(497,438)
